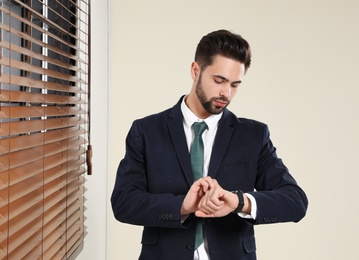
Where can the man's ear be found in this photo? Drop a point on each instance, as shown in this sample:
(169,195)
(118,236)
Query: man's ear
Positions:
(195,70)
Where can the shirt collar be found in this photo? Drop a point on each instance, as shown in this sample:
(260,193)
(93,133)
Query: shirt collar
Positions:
(190,117)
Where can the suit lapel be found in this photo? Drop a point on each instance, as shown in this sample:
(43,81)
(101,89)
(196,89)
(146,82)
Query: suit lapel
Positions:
(175,127)
(222,140)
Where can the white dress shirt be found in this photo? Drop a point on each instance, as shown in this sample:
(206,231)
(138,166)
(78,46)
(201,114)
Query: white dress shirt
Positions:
(208,137)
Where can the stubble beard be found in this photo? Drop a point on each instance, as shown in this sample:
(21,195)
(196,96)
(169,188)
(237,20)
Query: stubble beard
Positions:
(209,105)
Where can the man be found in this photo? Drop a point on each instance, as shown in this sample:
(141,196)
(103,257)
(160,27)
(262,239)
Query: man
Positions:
(243,182)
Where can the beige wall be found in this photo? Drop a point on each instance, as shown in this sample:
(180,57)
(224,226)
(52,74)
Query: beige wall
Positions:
(303,83)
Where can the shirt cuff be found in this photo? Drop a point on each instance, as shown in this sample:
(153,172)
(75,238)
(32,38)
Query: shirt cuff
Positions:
(253,214)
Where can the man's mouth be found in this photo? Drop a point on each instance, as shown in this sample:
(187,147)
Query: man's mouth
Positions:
(219,103)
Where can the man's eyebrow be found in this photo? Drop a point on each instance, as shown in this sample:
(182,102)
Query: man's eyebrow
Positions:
(227,80)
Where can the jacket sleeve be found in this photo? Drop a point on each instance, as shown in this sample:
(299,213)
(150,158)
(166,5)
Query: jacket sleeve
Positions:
(131,201)
(278,196)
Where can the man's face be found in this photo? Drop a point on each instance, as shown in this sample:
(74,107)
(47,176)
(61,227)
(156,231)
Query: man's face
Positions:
(218,83)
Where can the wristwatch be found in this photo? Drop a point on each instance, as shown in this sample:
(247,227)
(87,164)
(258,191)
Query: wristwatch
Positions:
(239,193)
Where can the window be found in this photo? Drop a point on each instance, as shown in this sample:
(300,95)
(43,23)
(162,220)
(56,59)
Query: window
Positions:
(44,127)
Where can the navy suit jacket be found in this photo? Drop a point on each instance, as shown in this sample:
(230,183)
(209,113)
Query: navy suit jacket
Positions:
(155,175)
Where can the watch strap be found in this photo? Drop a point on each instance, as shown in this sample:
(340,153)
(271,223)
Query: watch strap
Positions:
(239,193)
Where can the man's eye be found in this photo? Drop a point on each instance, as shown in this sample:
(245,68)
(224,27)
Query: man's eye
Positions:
(218,81)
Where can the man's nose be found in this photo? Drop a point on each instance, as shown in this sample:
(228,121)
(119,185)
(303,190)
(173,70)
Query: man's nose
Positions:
(226,90)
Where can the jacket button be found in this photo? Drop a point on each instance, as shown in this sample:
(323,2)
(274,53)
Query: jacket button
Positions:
(190,246)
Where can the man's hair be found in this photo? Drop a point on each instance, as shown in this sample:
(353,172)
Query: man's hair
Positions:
(225,43)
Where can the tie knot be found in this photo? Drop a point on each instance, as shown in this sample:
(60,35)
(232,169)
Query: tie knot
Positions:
(199,127)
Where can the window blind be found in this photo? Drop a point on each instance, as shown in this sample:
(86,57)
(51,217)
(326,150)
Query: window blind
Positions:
(45,148)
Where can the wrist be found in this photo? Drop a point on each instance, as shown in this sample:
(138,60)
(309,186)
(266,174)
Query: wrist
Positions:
(185,211)
(241,201)
(247,208)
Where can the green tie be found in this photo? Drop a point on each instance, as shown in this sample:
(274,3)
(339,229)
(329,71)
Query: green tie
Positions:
(197,154)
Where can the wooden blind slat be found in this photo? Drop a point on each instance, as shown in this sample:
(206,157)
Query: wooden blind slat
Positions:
(28,141)
(75,209)
(4,197)
(53,216)
(4,180)
(26,171)
(54,186)
(22,220)
(33,193)
(34,83)
(3,247)
(32,169)
(17,159)
(35,253)
(58,171)
(75,195)
(77,173)
(26,187)
(57,250)
(46,20)
(42,44)
(4,212)
(26,156)
(33,200)
(61,134)
(29,126)
(25,219)
(38,111)
(76,238)
(38,56)
(21,142)
(39,70)
(19,96)
(54,200)
(31,245)
(75,223)
(53,24)
(53,231)
(27,232)
(56,159)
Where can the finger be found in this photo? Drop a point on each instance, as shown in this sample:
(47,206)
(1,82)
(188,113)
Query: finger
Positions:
(207,183)
(199,184)
(208,203)
(202,205)
(202,214)
(214,196)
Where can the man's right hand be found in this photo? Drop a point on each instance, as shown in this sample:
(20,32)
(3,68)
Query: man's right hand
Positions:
(194,195)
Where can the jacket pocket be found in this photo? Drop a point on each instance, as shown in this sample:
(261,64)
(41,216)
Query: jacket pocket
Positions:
(235,166)
(149,236)
(249,244)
